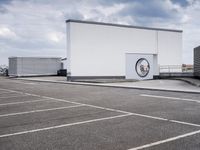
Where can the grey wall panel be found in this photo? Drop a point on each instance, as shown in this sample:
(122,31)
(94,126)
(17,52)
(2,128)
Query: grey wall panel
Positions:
(33,66)
(197,61)
(12,66)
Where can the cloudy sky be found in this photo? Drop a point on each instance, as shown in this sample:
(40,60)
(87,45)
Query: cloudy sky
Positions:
(37,27)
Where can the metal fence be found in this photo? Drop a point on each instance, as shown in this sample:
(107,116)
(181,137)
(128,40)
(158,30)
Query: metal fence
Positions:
(175,68)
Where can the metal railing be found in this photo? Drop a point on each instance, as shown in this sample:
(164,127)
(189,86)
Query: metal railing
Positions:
(175,68)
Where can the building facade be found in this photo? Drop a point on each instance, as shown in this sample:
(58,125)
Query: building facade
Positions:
(97,49)
(33,66)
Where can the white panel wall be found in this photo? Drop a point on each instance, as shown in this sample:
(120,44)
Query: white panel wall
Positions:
(12,66)
(169,48)
(99,50)
(33,66)
(68,61)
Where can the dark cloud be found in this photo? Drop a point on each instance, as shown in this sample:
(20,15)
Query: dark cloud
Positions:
(3,3)
(145,12)
(183,3)
(112,2)
(73,15)
(152,8)
(3,10)
(38,26)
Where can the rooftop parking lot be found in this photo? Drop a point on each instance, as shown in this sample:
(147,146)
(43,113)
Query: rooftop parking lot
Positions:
(38,115)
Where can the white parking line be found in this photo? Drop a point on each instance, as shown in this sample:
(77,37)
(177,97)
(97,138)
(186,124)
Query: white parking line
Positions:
(19,82)
(94,106)
(171,98)
(120,111)
(11,90)
(64,125)
(126,112)
(13,96)
(15,103)
(3,89)
(186,123)
(6,92)
(166,140)
(40,110)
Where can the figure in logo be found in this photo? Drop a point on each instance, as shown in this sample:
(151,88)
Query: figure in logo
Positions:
(142,67)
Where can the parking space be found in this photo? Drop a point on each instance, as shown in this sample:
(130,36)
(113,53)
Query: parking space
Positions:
(118,133)
(11,95)
(21,98)
(188,143)
(56,116)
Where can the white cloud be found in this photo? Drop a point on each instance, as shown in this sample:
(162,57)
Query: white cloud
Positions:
(35,27)
(7,33)
(56,36)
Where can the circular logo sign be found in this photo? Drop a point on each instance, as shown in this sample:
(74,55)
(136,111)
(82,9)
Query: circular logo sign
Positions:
(142,67)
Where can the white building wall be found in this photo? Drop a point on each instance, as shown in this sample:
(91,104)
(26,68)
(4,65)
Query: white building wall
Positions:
(68,61)
(169,48)
(12,66)
(99,50)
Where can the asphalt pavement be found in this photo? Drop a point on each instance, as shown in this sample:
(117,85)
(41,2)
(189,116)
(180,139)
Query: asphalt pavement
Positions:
(44,115)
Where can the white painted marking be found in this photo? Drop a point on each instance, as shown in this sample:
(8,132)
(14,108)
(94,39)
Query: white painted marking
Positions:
(40,110)
(166,140)
(15,103)
(94,106)
(171,98)
(62,100)
(126,112)
(151,117)
(27,94)
(19,82)
(185,123)
(13,96)
(2,90)
(6,92)
(117,110)
(11,90)
(64,125)
(32,95)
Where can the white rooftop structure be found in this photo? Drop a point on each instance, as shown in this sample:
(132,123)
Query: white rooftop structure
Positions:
(97,50)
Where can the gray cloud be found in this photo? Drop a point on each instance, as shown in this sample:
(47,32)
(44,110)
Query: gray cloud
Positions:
(144,8)
(2,5)
(37,28)
(183,3)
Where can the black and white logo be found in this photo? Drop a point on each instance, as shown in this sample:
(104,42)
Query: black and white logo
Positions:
(142,67)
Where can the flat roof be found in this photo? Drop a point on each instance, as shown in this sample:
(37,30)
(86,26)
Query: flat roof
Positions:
(121,25)
(35,57)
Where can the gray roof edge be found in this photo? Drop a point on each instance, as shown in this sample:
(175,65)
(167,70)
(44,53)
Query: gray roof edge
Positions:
(34,57)
(121,25)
